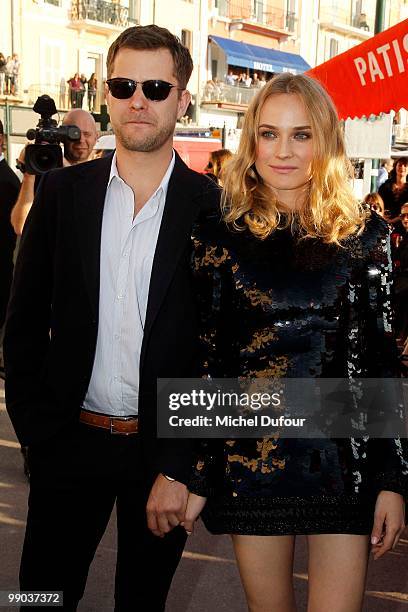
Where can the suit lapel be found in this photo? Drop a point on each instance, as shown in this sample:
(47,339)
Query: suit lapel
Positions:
(89,198)
(180,210)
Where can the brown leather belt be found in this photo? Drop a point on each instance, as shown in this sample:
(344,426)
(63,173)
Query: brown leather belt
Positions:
(124,426)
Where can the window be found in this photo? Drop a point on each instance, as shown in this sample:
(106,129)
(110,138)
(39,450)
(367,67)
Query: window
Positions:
(134,11)
(222,6)
(258,10)
(291,8)
(52,55)
(186,39)
(334,47)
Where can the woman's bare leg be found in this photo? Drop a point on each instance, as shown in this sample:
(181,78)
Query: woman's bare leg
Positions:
(337,572)
(266,566)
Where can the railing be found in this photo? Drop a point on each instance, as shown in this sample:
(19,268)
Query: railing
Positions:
(343,16)
(61,96)
(258,12)
(218,92)
(100,11)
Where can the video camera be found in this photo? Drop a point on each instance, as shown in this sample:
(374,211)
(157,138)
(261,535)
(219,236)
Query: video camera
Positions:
(40,158)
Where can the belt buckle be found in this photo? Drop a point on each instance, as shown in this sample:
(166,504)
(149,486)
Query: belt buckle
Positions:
(119,433)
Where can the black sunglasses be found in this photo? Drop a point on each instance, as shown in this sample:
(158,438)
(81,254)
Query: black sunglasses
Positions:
(153,89)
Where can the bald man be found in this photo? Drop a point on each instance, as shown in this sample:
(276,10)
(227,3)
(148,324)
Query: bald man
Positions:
(75,152)
(78,151)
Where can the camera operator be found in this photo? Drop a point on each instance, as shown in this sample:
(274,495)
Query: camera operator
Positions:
(75,152)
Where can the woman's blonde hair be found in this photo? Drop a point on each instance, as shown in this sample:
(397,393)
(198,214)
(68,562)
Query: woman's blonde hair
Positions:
(332,212)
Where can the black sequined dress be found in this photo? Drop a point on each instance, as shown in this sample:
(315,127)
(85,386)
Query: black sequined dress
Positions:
(285,307)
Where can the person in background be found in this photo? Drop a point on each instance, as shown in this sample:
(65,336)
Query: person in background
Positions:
(285,290)
(383,172)
(75,152)
(9,76)
(75,86)
(82,90)
(9,188)
(62,93)
(375,202)
(216,164)
(15,71)
(231,78)
(3,65)
(262,81)
(394,191)
(400,259)
(92,89)
(255,80)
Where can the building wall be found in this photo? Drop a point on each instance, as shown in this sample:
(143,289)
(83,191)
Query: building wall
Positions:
(224,21)
(190,16)
(5,29)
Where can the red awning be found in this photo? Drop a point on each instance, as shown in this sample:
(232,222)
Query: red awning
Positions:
(370,78)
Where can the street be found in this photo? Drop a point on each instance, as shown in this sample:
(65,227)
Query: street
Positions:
(207,578)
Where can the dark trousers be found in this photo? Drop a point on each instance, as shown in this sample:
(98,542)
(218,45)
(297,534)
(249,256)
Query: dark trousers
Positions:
(76,479)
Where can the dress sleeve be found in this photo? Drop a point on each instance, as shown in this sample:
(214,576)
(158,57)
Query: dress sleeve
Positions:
(211,264)
(388,456)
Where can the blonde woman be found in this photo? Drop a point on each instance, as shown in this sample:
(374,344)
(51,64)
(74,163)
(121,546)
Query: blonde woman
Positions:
(284,291)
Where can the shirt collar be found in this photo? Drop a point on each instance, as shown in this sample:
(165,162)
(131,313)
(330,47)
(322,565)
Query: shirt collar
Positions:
(2,156)
(164,182)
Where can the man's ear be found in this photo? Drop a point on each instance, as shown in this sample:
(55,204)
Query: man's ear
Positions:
(183,103)
(106,93)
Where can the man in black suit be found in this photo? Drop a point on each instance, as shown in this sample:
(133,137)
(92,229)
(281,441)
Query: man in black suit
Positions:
(102,305)
(9,188)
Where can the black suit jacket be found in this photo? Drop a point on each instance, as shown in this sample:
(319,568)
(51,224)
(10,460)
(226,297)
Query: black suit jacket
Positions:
(56,287)
(9,188)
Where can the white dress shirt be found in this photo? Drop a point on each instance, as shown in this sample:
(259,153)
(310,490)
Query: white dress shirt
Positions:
(127,250)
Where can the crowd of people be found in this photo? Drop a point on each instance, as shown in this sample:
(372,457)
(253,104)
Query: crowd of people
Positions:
(78,87)
(391,203)
(9,72)
(217,89)
(133,268)
(246,79)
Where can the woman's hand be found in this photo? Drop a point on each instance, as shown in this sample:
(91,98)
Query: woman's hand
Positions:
(195,504)
(389,522)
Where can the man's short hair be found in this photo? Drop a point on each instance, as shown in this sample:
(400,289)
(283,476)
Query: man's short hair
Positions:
(1,128)
(154,37)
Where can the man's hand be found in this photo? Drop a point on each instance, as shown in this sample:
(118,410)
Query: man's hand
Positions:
(389,522)
(166,505)
(195,505)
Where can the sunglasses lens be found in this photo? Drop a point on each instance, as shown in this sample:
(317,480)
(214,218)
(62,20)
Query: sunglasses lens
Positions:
(122,88)
(156,90)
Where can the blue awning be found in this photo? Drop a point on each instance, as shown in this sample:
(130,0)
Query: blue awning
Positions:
(260,58)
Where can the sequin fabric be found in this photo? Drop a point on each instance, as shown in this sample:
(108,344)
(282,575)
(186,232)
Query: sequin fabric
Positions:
(286,307)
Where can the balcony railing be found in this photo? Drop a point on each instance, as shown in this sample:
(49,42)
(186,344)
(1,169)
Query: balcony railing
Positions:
(61,96)
(217,92)
(100,11)
(258,12)
(343,16)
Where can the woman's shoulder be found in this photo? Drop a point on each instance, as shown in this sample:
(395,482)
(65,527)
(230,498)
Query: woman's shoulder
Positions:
(210,226)
(374,237)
